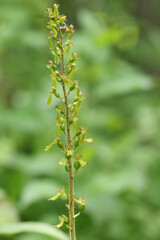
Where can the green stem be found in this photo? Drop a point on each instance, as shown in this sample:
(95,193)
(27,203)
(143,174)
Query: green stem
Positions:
(71,177)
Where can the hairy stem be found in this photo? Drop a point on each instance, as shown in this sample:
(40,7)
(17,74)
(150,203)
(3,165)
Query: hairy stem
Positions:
(71,178)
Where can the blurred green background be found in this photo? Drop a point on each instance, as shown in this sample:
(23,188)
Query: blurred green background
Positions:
(118,42)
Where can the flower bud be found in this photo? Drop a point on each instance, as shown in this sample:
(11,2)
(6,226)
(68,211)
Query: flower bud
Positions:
(57,73)
(57,94)
(51,65)
(68,153)
(83,130)
(59,79)
(64,197)
(70,121)
(77,165)
(74,55)
(56,6)
(50,62)
(52,16)
(61,109)
(59,44)
(72,88)
(60,145)
(62,120)
(62,127)
(69,70)
(73,65)
(53,90)
(81,208)
(76,142)
(72,108)
(49,9)
(75,99)
(67,168)
(78,132)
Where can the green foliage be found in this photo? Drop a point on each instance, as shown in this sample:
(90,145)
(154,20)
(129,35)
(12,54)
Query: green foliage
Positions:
(121,111)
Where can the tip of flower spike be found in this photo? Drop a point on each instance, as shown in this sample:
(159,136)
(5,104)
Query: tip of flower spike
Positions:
(56,5)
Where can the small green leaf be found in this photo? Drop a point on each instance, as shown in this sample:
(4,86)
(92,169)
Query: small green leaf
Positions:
(77,106)
(49,99)
(81,208)
(78,92)
(59,130)
(50,43)
(57,50)
(53,75)
(63,162)
(56,59)
(89,140)
(75,119)
(60,144)
(81,138)
(74,126)
(76,215)
(67,81)
(59,193)
(80,201)
(54,83)
(55,32)
(61,219)
(66,50)
(83,163)
(58,119)
(67,168)
(62,20)
(72,73)
(53,52)
(49,146)
(55,197)
(71,35)
(65,218)
(76,143)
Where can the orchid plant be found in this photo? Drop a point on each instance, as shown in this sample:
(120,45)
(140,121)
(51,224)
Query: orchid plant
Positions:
(62,68)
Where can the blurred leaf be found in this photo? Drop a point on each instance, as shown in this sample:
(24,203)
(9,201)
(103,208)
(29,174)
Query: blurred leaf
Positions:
(36,227)
(121,78)
(8,212)
(35,165)
(124,36)
(7,152)
(49,99)
(36,191)
(115,183)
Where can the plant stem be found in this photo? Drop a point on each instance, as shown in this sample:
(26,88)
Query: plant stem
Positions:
(71,178)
